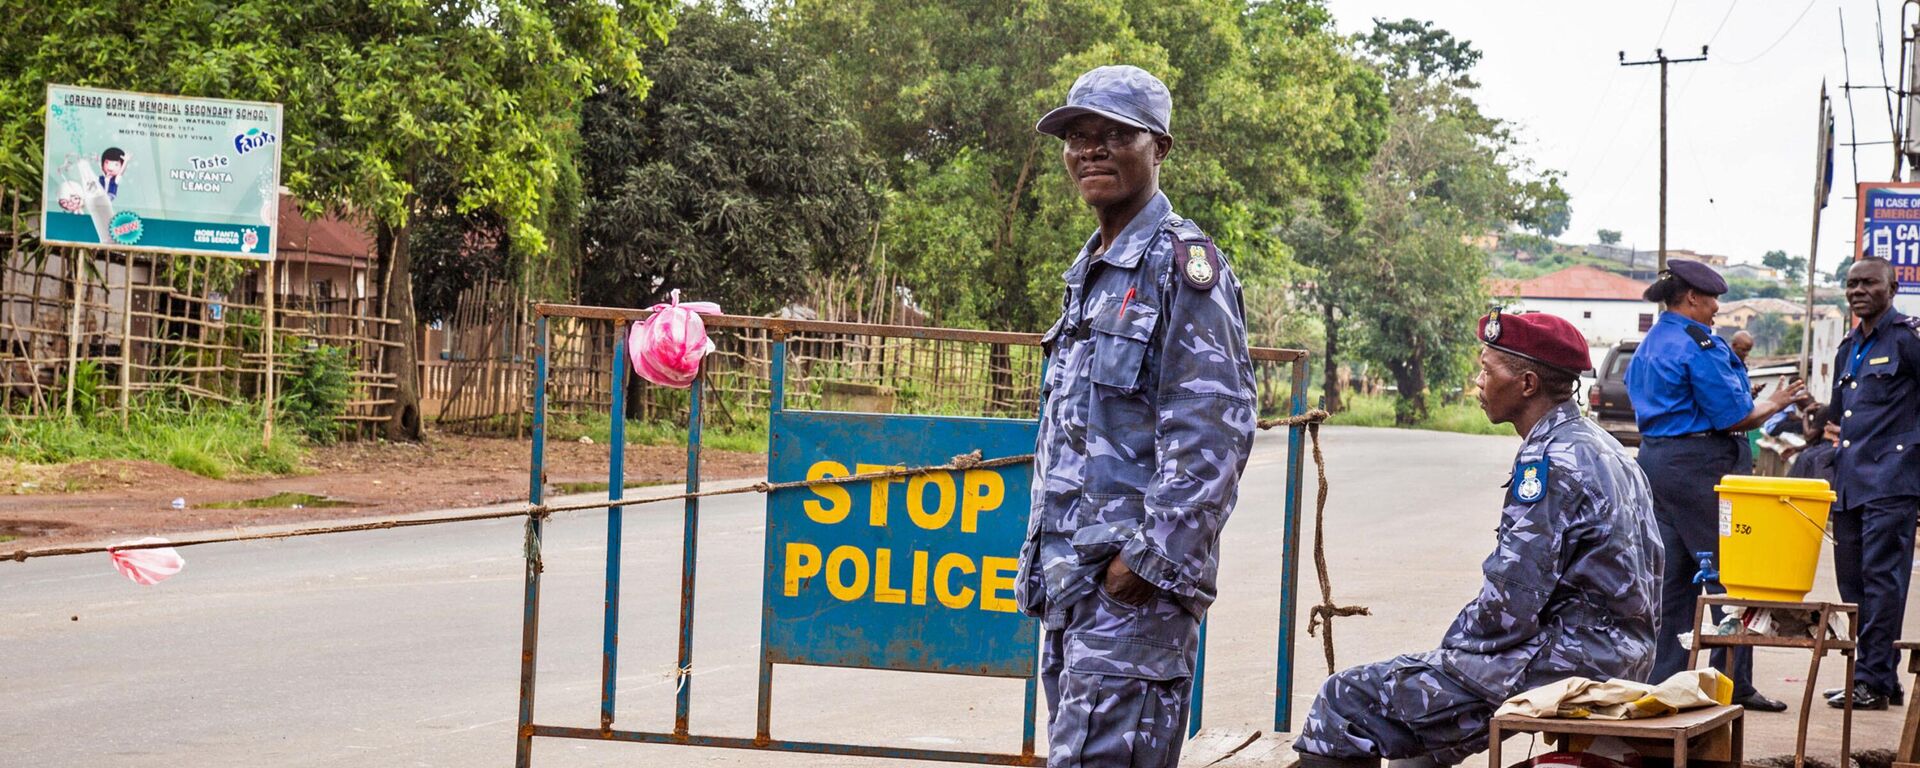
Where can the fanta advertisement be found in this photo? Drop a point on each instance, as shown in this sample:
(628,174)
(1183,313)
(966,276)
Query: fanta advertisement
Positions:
(134,171)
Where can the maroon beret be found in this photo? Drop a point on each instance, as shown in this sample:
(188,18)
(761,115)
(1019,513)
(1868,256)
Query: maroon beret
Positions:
(1539,337)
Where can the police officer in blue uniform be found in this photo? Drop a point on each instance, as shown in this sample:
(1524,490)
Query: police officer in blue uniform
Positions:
(1691,398)
(1876,402)
(1146,422)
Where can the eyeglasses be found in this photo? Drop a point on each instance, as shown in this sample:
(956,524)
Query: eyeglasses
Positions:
(1113,138)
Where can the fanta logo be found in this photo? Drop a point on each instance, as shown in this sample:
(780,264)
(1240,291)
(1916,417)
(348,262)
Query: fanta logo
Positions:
(253,139)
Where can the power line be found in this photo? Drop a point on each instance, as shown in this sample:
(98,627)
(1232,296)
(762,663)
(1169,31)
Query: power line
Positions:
(1660,58)
(1880,39)
(1723,22)
(1782,38)
(1853,121)
(1606,150)
(1663,25)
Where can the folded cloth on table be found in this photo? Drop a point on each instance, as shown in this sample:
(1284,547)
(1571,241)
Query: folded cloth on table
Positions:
(1581,698)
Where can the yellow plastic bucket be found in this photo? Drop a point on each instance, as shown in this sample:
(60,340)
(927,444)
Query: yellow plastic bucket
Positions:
(1770,532)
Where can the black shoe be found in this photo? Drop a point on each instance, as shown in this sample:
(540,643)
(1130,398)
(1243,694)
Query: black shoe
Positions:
(1758,702)
(1896,698)
(1864,698)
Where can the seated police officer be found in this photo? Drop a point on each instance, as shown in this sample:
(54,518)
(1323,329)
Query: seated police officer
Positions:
(1571,589)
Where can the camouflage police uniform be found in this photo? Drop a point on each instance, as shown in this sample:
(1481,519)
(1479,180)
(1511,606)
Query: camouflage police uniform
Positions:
(1572,588)
(1147,421)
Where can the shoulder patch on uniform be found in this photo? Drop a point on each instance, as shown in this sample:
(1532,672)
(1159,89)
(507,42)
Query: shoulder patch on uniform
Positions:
(1530,481)
(1700,336)
(1912,323)
(1198,263)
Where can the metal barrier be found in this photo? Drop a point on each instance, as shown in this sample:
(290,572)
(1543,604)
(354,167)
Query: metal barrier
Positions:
(797,620)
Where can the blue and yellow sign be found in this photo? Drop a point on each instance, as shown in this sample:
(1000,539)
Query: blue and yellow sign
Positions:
(1889,228)
(914,573)
(139,172)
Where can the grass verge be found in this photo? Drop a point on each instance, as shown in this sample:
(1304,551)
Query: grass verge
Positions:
(216,442)
(1377,411)
(598,427)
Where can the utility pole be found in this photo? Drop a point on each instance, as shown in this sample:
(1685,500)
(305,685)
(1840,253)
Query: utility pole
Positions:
(1660,58)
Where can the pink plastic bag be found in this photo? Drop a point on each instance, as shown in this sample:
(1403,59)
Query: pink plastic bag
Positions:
(147,566)
(667,348)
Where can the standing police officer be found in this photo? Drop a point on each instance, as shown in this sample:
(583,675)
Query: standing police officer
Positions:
(1147,419)
(1693,406)
(1571,589)
(1877,405)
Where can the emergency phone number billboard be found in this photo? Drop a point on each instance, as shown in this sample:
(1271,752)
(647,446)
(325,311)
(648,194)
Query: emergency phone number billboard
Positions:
(1889,228)
(910,573)
(140,172)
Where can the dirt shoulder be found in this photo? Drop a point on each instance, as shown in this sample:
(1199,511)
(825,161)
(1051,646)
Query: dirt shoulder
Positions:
(93,500)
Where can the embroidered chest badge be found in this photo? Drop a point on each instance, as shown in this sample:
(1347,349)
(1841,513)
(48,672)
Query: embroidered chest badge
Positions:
(1530,482)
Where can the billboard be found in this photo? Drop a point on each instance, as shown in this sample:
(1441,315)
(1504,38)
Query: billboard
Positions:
(912,573)
(140,172)
(1889,228)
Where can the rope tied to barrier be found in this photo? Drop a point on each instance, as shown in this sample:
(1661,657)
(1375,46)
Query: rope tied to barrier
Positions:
(1322,615)
(962,462)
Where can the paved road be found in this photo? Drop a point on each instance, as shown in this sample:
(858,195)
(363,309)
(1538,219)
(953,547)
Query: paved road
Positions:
(400,648)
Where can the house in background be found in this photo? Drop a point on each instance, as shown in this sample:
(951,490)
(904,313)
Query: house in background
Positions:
(1710,259)
(1742,313)
(1606,307)
(1751,272)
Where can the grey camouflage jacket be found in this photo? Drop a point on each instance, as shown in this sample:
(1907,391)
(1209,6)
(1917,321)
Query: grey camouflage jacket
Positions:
(1573,585)
(1147,418)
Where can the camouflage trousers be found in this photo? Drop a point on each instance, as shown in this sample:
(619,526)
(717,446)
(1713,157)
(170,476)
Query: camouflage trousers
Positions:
(1403,708)
(1117,678)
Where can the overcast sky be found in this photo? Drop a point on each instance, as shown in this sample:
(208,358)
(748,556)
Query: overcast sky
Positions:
(1742,124)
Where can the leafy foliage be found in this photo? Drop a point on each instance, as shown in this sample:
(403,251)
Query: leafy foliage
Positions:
(1269,106)
(316,393)
(376,92)
(1609,236)
(1793,267)
(1403,280)
(740,173)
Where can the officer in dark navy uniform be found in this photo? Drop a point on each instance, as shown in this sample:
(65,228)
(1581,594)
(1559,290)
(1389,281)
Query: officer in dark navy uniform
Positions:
(1691,400)
(1876,402)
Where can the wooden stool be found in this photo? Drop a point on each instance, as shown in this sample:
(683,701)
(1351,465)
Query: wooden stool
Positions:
(1908,756)
(1712,735)
(1819,644)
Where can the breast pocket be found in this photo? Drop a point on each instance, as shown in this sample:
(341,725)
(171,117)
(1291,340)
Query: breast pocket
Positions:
(1877,382)
(1120,333)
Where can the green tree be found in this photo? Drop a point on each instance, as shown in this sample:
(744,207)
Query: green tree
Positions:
(741,174)
(1446,171)
(1269,107)
(1609,237)
(376,92)
(1793,267)
(1543,206)
(1774,334)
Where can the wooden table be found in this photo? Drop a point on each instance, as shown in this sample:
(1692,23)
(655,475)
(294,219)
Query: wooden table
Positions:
(1711,734)
(1819,645)
(1908,756)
